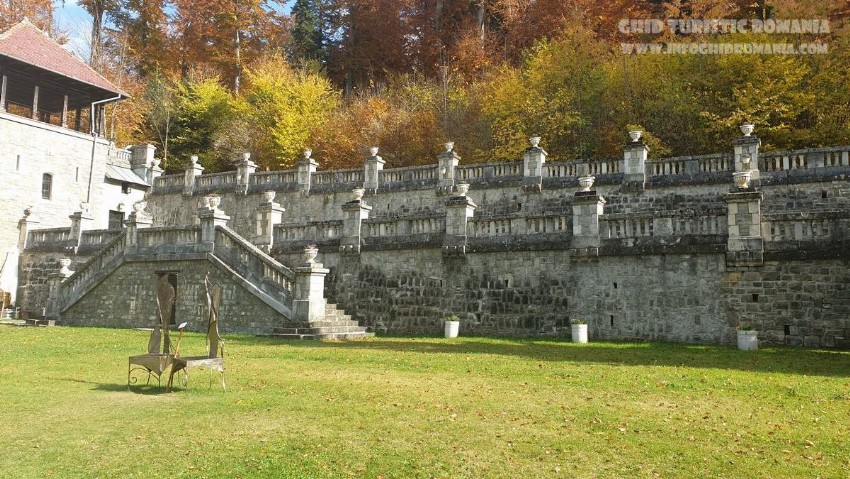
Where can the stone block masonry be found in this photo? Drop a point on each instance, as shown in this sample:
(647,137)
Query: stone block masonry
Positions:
(127,299)
(650,249)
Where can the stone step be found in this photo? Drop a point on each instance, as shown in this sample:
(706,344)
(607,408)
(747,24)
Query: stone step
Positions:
(322,337)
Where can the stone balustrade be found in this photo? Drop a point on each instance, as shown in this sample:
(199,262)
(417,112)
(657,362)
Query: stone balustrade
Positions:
(667,169)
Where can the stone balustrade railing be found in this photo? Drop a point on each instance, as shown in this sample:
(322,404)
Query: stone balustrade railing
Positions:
(274,178)
(333,177)
(48,237)
(413,174)
(99,237)
(124,155)
(804,227)
(216,179)
(489,171)
(804,159)
(89,274)
(484,173)
(636,226)
(169,181)
(168,236)
(254,265)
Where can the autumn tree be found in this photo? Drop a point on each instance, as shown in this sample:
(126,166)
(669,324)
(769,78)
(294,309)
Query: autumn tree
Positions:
(39,12)
(279,108)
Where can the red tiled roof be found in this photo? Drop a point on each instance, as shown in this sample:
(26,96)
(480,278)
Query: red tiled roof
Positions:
(26,43)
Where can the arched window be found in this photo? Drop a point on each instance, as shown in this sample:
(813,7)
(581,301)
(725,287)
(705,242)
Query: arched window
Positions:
(46,186)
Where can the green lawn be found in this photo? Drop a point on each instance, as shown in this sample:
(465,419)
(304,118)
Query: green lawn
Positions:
(421,408)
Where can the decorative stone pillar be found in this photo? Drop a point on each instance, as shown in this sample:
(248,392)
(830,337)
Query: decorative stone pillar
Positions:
(155,171)
(635,154)
(269,214)
(532,166)
(244,170)
(193,171)
(25,224)
(458,211)
(373,166)
(744,244)
(80,221)
(306,167)
(141,161)
(210,217)
(54,291)
(354,211)
(447,162)
(747,151)
(309,303)
(588,206)
(138,219)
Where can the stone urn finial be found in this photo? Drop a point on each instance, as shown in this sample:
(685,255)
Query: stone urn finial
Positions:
(449,146)
(310,253)
(214,201)
(269,195)
(246,156)
(84,206)
(462,189)
(194,159)
(586,182)
(357,193)
(535,141)
(139,207)
(742,179)
(156,162)
(63,267)
(28,211)
(307,153)
(373,151)
(635,135)
(747,128)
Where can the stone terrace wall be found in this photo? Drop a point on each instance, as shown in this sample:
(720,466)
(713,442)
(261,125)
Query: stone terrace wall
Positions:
(127,299)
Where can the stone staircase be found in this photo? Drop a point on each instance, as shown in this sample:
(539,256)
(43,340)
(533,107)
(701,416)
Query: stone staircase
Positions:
(335,325)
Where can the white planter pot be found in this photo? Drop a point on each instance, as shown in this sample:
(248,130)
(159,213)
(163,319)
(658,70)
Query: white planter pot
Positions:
(452,329)
(748,340)
(579,333)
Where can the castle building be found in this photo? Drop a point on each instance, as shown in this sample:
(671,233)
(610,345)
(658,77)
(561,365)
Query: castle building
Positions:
(56,159)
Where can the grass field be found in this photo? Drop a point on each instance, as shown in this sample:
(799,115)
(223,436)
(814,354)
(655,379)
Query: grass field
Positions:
(422,408)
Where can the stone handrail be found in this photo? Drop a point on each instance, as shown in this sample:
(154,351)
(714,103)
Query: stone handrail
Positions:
(124,155)
(636,226)
(273,178)
(92,272)
(315,230)
(99,237)
(804,159)
(412,173)
(488,171)
(351,176)
(166,181)
(254,265)
(394,227)
(216,179)
(803,226)
(172,236)
(484,173)
(48,236)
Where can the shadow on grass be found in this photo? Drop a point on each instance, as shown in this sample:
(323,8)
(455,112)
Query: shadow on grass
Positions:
(781,360)
(145,389)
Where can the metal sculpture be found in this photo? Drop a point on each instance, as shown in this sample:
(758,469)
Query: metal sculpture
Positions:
(214,360)
(159,357)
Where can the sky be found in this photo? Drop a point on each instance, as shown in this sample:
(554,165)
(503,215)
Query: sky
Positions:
(72,18)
